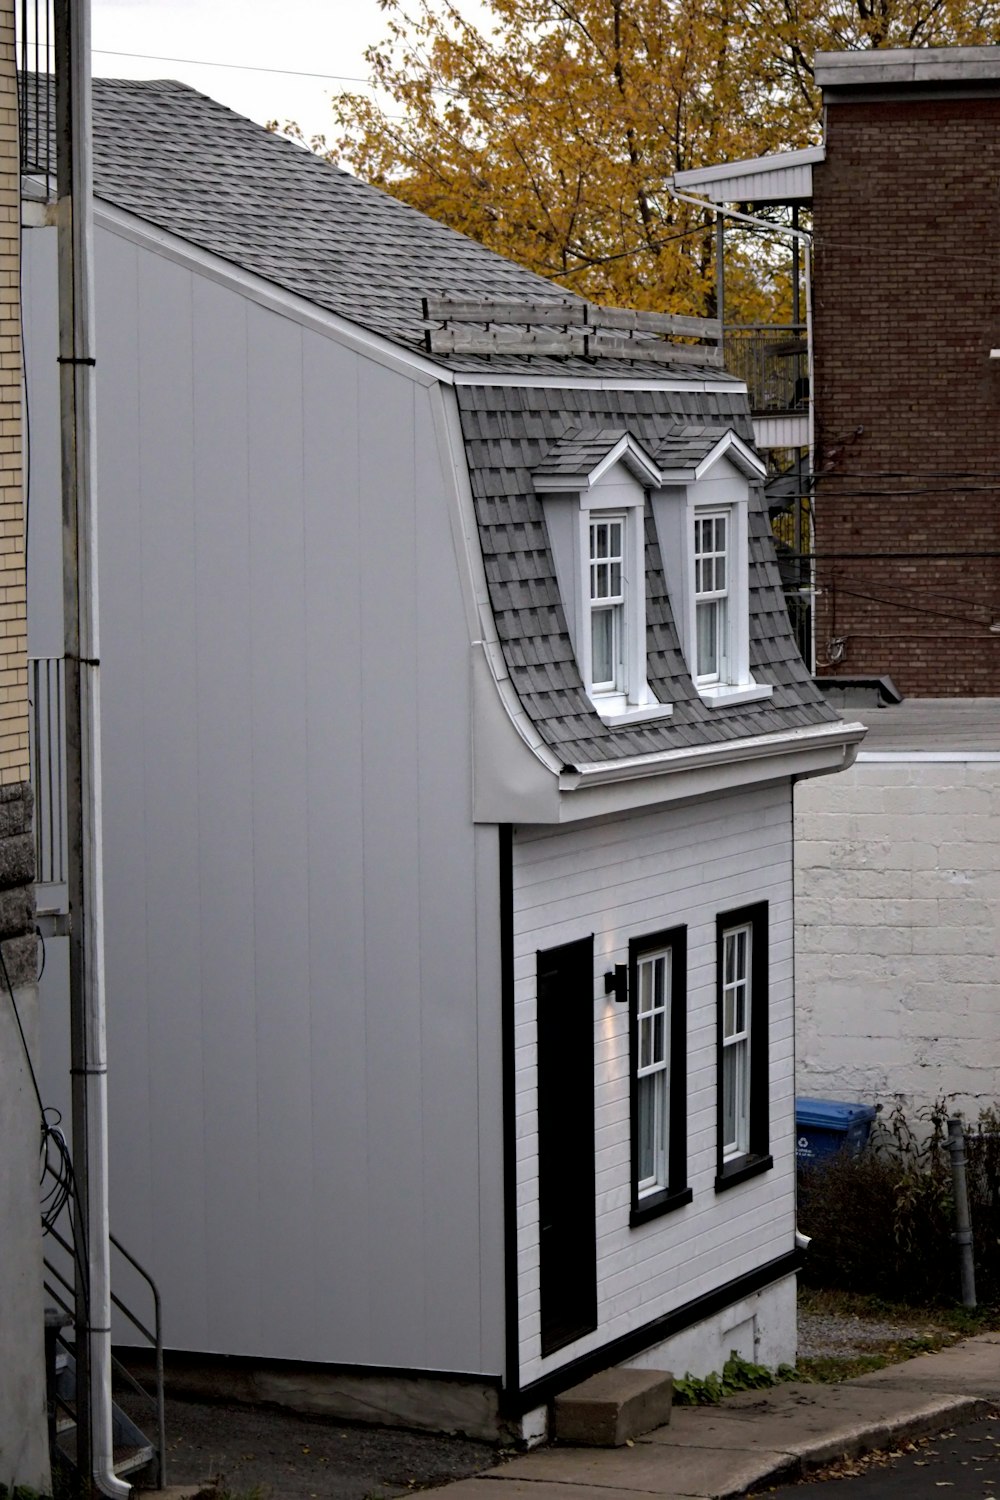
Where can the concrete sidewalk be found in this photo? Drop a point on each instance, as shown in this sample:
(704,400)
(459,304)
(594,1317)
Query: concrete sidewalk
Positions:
(748,1441)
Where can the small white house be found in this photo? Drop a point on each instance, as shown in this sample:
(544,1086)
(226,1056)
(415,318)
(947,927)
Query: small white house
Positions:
(451,719)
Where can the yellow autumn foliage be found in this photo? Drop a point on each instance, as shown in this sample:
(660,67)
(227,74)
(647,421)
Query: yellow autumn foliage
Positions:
(549,131)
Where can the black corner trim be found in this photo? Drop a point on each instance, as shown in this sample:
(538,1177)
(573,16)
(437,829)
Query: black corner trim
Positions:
(512,1374)
(742,1170)
(657,1204)
(514,1403)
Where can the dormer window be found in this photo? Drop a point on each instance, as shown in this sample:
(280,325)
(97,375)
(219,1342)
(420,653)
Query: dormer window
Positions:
(607,604)
(702,514)
(593,489)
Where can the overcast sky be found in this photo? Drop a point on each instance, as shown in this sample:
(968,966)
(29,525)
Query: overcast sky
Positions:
(233,49)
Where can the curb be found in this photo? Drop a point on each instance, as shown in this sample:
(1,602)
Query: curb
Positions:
(873,1439)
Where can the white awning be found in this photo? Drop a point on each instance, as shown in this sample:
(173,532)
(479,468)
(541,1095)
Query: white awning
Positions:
(785,177)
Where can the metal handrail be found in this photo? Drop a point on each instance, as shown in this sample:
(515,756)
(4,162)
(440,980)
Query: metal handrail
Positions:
(157,1342)
(155,1338)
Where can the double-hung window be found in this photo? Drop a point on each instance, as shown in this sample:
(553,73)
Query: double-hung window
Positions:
(702,514)
(607,603)
(743,1069)
(737,947)
(594,491)
(711,593)
(657,996)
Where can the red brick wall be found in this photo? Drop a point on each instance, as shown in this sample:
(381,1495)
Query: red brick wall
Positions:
(906,309)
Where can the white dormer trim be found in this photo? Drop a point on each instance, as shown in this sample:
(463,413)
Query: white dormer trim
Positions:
(716,485)
(626,452)
(613,488)
(730,445)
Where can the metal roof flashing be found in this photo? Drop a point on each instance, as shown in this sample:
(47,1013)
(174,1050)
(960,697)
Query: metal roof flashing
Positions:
(965,69)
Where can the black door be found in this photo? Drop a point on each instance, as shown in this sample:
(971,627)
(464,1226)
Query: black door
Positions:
(567,1227)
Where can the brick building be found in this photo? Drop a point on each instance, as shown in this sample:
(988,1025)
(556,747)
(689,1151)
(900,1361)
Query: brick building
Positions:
(903,194)
(907,397)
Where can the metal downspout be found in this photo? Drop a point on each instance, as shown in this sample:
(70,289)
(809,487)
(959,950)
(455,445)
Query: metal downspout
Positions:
(83,738)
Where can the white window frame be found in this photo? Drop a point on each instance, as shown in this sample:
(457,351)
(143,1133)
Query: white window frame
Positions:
(736,1040)
(658,966)
(717,486)
(715,596)
(611,603)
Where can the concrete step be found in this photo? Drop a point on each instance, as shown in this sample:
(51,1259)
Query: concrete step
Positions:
(613,1407)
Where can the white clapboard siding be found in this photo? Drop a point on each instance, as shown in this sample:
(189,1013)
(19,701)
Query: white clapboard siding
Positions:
(303,963)
(618,880)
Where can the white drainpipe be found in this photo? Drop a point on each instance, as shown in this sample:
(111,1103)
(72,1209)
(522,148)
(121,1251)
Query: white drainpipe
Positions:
(76,364)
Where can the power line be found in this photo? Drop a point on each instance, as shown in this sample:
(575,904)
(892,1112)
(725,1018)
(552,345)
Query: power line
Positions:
(201,62)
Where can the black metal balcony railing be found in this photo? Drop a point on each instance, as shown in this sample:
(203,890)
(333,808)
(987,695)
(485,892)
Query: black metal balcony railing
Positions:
(35,94)
(47,730)
(773,360)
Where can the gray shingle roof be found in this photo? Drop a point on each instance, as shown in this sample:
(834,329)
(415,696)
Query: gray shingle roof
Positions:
(579,454)
(182,162)
(511,434)
(189,165)
(687,445)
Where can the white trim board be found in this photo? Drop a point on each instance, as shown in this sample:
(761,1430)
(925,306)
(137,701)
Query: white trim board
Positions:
(929,757)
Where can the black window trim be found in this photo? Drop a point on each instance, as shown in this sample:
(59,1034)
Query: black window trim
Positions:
(677,1192)
(758,1158)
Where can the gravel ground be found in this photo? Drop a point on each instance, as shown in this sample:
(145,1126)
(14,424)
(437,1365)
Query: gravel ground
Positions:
(840,1335)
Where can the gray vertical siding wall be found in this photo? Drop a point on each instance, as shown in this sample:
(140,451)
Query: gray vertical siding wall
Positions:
(303,1005)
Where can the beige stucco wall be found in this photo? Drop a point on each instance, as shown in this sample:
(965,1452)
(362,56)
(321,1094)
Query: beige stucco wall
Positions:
(897,922)
(13,613)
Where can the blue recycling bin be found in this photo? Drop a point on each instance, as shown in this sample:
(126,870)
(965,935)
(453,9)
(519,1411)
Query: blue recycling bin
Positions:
(823,1127)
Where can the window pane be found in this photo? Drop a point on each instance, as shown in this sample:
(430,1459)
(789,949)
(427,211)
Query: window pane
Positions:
(645,988)
(647,1127)
(708,649)
(602,645)
(659,1053)
(645,1042)
(729,1098)
(728,1013)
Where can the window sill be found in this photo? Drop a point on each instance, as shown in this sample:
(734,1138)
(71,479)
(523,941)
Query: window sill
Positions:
(741,1169)
(639,713)
(722,694)
(655,1204)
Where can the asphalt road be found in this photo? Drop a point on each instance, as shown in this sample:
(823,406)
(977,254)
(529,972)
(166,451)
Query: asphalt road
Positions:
(961,1464)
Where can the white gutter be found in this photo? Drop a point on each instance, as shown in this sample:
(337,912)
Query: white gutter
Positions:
(596,773)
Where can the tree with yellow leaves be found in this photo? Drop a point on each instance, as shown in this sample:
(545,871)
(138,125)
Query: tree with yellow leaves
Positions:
(550,134)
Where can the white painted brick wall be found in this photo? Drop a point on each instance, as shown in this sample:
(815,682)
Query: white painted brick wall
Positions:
(897,929)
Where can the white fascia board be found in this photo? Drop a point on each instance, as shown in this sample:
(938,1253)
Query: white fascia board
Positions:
(751,166)
(731,444)
(755,747)
(929,757)
(267,294)
(635,458)
(626,451)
